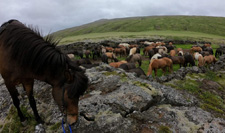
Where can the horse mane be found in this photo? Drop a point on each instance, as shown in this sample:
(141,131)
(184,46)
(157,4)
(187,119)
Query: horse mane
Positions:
(80,83)
(30,50)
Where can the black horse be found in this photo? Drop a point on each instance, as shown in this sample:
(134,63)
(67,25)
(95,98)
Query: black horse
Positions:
(127,66)
(139,72)
(219,52)
(188,59)
(104,58)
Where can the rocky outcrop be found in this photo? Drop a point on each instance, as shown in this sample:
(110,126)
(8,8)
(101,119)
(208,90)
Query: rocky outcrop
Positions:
(70,48)
(116,101)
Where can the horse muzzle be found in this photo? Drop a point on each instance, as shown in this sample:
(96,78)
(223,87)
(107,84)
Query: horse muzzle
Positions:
(73,120)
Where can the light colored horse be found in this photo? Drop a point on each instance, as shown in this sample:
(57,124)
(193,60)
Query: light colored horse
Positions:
(125,45)
(180,53)
(162,49)
(155,56)
(148,43)
(133,51)
(103,50)
(196,55)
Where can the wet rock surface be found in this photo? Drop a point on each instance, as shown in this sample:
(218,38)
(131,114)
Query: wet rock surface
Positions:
(117,101)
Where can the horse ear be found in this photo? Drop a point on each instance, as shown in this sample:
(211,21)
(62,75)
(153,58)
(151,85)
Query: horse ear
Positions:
(69,76)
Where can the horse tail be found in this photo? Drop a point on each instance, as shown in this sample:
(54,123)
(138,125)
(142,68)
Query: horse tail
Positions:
(150,68)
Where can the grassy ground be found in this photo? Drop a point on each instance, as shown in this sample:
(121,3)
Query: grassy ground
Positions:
(167,35)
(198,28)
(202,24)
(211,97)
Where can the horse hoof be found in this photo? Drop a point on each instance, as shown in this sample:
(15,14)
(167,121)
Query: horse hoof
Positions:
(40,121)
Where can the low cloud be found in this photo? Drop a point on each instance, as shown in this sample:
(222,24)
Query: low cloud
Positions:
(54,15)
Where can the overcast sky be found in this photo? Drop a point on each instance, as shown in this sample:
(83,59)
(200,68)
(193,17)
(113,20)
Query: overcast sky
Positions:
(53,15)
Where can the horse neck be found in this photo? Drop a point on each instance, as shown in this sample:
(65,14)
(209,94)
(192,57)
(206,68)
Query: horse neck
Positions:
(53,80)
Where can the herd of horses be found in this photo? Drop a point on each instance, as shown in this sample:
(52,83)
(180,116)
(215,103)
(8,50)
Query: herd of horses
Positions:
(161,56)
(25,56)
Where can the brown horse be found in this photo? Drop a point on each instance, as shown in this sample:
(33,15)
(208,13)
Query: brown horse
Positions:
(146,49)
(111,56)
(25,56)
(172,52)
(196,49)
(87,53)
(209,59)
(179,49)
(120,51)
(109,49)
(178,60)
(162,63)
(117,64)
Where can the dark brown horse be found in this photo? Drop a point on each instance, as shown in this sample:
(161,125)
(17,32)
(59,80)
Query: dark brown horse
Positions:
(178,60)
(25,56)
(134,58)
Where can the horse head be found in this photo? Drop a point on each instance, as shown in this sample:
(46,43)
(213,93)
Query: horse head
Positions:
(129,58)
(74,83)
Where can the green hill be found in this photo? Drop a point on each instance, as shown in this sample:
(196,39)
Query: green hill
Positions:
(199,24)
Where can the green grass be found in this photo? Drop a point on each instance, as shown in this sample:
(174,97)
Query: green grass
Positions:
(196,28)
(166,35)
(164,129)
(209,99)
(203,24)
(13,123)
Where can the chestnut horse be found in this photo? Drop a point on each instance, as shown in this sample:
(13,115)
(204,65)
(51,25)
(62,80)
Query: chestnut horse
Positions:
(162,63)
(117,64)
(172,52)
(209,59)
(25,56)
(111,56)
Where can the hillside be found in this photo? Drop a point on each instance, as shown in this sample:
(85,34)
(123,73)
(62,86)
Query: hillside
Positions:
(198,24)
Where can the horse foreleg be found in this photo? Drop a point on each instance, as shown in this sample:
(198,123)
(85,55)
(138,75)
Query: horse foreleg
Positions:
(14,94)
(171,68)
(28,86)
(155,70)
(164,70)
